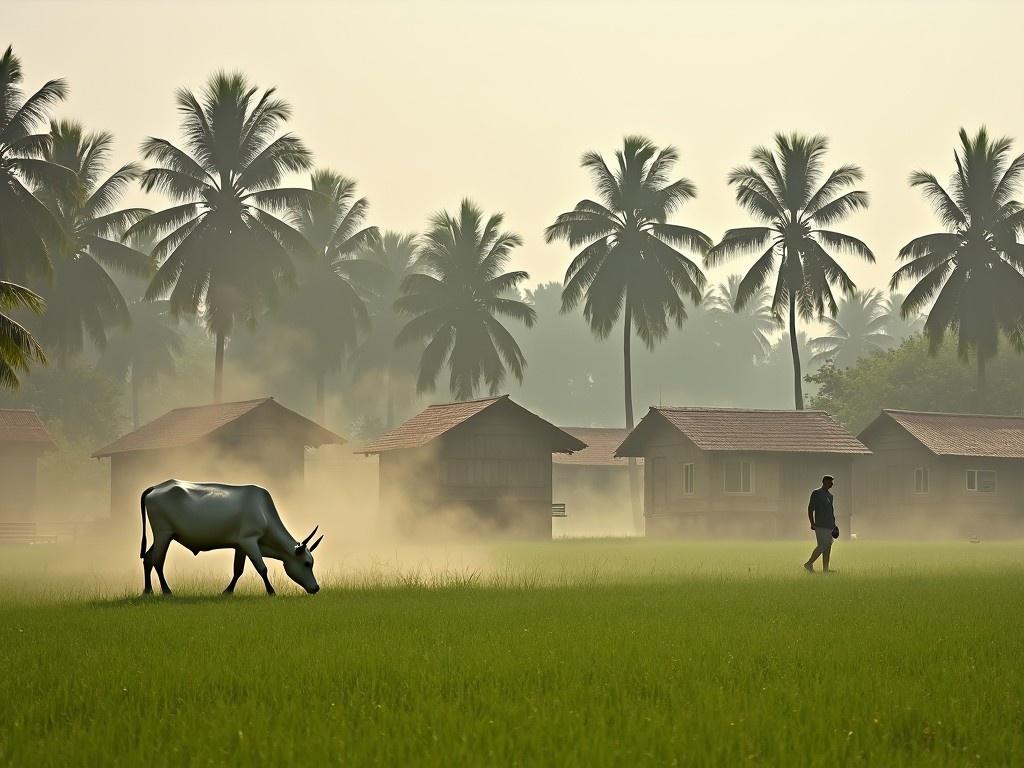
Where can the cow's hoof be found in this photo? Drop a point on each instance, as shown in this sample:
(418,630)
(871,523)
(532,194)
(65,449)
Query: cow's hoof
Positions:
(228,591)
(271,593)
(148,591)
(166,592)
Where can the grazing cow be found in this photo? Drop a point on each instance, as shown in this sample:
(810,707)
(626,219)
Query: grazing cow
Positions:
(205,516)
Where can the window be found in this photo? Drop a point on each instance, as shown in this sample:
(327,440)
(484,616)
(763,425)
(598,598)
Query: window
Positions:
(921,480)
(688,479)
(738,477)
(981,480)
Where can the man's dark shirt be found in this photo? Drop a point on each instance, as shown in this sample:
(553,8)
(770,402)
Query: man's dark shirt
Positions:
(821,503)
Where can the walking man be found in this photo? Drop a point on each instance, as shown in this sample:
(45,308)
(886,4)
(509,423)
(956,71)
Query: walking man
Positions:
(823,521)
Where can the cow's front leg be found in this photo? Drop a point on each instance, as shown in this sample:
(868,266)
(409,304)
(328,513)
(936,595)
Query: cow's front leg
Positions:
(251,548)
(158,554)
(239,567)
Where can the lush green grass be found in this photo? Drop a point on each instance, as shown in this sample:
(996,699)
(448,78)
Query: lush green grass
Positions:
(586,653)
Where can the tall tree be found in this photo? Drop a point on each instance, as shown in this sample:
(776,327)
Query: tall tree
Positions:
(456,299)
(973,270)
(327,313)
(26,224)
(631,266)
(143,352)
(17,346)
(782,191)
(393,255)
(750,326)
(81,296)
(857,329)
(223,252)
(896,325)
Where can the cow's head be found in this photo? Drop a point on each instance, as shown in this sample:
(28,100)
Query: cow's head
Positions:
(299,565)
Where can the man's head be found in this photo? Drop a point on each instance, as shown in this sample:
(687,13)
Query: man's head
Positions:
(827,482)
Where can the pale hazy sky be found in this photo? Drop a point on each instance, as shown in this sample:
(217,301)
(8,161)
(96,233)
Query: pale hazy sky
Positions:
(427,102)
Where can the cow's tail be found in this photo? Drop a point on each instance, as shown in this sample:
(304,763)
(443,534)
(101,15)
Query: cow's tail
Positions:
(145,493)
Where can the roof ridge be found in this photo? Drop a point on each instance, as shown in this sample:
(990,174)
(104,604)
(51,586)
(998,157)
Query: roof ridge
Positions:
(494,398)
(955,413)
(219,405)
(727,409)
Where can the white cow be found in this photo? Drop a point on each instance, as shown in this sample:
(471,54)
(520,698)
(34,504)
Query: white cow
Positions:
(206,516)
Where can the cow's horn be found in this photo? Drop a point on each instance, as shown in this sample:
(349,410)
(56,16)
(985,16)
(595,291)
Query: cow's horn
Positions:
(317,543)
(312,533)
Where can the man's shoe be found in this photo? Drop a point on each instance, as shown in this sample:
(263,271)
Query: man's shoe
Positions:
(808,567)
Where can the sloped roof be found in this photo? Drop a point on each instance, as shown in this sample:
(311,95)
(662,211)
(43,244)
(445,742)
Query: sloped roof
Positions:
(23,425)
(737,429)
(601,446)
(436,420)
(961,434)
(184,426)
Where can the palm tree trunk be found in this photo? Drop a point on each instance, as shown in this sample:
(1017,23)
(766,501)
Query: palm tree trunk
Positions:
(981,380)
(389,418)
(627,367)
(798,388)
(135,399)
(218,370)
(320,407)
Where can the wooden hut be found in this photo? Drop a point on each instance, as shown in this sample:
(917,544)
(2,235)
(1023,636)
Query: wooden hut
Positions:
(725,471)
(23,439)
(942,474)
(594,485)
(253,441)
(482,466)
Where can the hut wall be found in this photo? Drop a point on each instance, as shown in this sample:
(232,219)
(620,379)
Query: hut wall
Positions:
(18,482)
(892,504)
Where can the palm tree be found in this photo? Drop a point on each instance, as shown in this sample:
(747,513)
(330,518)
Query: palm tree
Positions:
(24,251)
(973,270)
(327,312)
(857,329)
(631,266)
(222,251)
(81,297)
(26,224)
(143,352)
(456,298)
(782,191)
(897,326)
(17,346)
(393,254)
(753,323)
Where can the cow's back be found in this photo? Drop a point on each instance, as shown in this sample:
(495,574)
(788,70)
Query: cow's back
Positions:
(207,515)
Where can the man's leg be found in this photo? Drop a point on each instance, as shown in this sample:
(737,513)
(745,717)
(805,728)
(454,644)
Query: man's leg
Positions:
(824,558)
(814,556)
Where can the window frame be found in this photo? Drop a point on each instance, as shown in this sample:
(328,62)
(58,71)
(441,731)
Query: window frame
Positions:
(750,477)
(689,474)
(922,481)
(977,484)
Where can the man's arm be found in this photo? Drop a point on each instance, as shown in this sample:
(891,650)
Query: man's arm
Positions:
(810,510)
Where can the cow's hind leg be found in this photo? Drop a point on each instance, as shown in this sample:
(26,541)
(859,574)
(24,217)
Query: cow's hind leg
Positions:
(239,567)
(147,571)
(158,554)
(251,548)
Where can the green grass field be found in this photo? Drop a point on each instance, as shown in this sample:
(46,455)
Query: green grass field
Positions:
(568,653)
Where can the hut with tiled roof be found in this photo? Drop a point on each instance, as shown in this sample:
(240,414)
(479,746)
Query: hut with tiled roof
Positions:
(481,465)
(942,474)
(594,485)
(730,471)
(23,439)
(252,441)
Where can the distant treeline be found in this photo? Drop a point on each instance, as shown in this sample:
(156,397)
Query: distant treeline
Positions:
(290,287)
